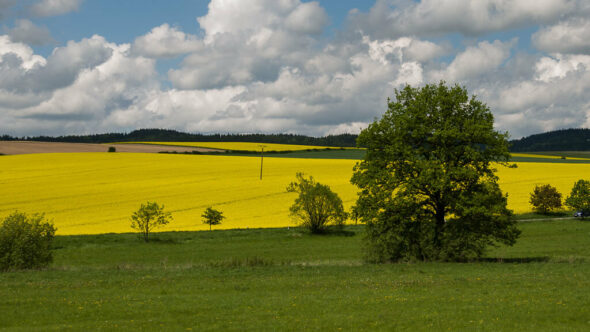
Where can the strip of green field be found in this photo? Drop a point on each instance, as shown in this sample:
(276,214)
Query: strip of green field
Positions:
(240,146)
(323,152)
(567,154)
(282,279)
(358,154)
(550,160)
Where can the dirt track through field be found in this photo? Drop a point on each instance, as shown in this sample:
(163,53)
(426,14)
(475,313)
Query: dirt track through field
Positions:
(27,147)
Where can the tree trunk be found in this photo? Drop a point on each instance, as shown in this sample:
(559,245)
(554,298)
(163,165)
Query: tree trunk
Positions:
(439,219)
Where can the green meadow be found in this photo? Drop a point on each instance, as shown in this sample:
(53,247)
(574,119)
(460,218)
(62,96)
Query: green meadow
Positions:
(285,279)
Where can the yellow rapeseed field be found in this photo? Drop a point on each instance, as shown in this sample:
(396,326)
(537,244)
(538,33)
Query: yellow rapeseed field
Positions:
(241,146)
(87,193)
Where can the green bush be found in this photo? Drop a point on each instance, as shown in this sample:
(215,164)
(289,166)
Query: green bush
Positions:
(545,198)
(579,198)
(317,206)
(25,242)
(112,149)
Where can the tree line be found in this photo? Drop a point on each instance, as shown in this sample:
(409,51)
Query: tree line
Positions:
(168,135)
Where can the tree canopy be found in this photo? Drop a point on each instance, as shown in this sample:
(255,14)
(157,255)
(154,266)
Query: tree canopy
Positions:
(212,217)
(428,189)
(148,217)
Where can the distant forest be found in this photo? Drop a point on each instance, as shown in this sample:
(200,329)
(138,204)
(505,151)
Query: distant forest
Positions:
(167,135)
(559,140)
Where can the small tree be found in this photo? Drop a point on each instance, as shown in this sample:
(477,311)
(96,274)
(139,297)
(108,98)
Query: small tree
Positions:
(545,198)
(112,149)
(25,241)
(149,217)
(317,205)
(579,198)
(212,217)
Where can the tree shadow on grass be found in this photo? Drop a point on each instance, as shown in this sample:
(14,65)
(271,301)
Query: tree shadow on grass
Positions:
(162,240)
(513,260)
(330,232)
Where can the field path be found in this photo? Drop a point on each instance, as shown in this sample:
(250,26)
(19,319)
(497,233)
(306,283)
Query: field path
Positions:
(29,147)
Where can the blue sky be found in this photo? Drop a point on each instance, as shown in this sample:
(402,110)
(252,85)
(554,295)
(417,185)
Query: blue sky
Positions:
(309,67)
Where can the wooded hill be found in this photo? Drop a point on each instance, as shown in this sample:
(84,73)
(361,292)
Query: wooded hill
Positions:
(558,140)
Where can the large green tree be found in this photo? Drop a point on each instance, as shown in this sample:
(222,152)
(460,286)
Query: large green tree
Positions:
(428,189)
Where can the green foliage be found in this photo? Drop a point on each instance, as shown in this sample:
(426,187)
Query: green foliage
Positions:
(317,206)
(112,149)
(212,217)
(25,241)
(149,217)
(428,189)
(579,198)
(545,198)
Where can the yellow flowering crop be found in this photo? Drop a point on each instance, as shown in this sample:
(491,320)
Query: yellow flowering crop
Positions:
(98,192)
(241,146)
(87,193)
(520,182)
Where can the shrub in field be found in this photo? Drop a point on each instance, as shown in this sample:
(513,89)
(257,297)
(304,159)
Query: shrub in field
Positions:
(112,149)
(25,241)
(317,206)
(149,217)
(579,198)
(428,188)
(212,217)
(545,198)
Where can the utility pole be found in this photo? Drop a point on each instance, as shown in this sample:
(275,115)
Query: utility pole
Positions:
(261,158)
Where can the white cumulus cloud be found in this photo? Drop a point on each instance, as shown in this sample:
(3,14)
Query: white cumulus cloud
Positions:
(54,7)
(571,36)
(27,32)
(165,41)
(438,17)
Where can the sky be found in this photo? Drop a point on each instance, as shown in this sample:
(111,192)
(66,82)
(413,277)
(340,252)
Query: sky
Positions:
(284,66)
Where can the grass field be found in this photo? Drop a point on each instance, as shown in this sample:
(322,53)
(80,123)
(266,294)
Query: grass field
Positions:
(279,279)
(358,154)
(568,154)
(92,193)
(557,155)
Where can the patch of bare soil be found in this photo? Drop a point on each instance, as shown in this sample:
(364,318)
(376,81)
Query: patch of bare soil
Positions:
(27,147)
